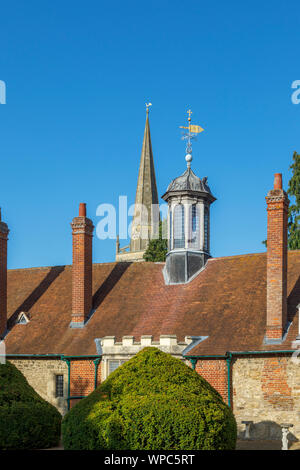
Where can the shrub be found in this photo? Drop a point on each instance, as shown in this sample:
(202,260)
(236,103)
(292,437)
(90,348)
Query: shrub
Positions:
(152,402)
(158,247)
(27,421)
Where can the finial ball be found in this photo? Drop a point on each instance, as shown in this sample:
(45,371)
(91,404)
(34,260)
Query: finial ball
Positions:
(188,158)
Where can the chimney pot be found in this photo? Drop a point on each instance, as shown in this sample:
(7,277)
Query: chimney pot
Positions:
(82,209)
(278,181)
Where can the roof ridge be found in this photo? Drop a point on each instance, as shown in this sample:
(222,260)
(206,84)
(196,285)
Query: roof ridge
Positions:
(32,268)
(210,260)
(215,258)
(247,254)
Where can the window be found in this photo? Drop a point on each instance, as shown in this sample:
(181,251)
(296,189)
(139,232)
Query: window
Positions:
(59,386)
(194,232)
(179,238)
(23,318)
(170,231)
(114,364)
(206,229)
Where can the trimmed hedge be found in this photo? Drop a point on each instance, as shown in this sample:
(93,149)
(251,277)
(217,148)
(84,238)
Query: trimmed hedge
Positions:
(27,421)
(152,402)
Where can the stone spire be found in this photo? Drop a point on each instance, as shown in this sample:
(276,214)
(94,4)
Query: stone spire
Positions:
(146,215)
(146,195)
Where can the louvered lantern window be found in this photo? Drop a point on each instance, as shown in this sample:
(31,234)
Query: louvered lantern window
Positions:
(206,229)
(194,227)
(170,231)
(179,238)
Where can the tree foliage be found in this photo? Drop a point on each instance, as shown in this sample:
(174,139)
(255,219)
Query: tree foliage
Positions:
(27,421)
(152,402)
(294,209)
(157,248)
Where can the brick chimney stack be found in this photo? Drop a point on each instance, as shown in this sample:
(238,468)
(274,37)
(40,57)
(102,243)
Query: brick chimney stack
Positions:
(3,276)
(277,207)
(82,231)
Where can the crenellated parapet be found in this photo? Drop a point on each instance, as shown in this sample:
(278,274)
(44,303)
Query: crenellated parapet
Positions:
(116,352)
(166,343)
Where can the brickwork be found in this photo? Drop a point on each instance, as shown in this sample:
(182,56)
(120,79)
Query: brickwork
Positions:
(82,378)
(40,374)
(215,372)
(266,390)
(277,206)
(3,276)
(82,231)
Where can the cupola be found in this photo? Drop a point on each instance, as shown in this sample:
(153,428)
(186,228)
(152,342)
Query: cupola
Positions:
(189,198)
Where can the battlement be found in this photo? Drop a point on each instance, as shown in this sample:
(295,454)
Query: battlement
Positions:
(128,346)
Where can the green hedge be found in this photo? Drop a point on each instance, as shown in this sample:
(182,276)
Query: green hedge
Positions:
(27,421)
(152,402)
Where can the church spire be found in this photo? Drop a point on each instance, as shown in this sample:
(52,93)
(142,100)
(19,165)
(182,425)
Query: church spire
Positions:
(146,214)
(146,194)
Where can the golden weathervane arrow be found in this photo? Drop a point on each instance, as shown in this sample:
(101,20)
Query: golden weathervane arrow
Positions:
(195,129)
(192,130)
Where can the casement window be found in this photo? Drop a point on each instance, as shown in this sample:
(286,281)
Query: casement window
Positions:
(59,385)
(113,364)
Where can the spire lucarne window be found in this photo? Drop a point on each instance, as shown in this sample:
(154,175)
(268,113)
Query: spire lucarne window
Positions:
(188,198)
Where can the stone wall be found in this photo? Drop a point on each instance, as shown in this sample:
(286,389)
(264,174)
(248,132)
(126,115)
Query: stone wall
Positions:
(41,373)
(266,390)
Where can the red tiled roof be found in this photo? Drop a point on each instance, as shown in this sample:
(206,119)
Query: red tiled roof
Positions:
(226,302)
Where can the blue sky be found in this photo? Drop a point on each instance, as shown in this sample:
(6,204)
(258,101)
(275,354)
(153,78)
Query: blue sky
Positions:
(78,75)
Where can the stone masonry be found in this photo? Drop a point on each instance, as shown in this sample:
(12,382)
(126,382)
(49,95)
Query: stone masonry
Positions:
(266,390)
(41,373)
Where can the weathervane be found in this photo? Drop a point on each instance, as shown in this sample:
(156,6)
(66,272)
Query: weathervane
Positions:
(148,106)
(192,131)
